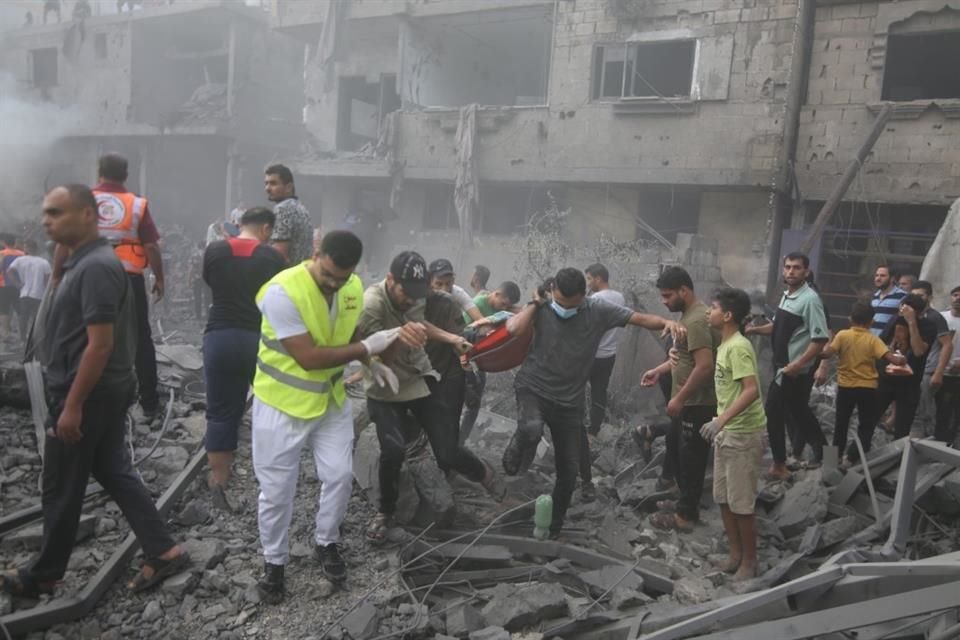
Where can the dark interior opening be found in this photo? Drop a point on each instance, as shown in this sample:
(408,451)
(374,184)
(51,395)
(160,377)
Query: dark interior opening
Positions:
(922,66)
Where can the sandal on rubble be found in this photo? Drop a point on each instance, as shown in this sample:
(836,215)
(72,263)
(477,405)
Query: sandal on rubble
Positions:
(493,483)
(667,506)
(162,569)
(377,529)
(18,584)
(668,522)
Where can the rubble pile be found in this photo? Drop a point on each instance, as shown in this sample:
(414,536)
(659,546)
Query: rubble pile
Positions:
(459,565)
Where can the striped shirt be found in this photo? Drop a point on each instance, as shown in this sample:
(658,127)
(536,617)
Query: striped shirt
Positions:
(885,308)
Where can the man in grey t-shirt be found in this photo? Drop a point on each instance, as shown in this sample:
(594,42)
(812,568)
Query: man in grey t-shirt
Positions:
(598,282)
(90,384)
(550,384)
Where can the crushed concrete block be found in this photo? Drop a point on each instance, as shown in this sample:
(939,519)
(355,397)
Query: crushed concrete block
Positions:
(837,531)
(513,607)
(206,554)
(622,599)
(464,619)
(605,579)
(771,494)
(641,492)
(692,590)
(361,623)
(804,504)
(490,633)
(846,488)
(180,584)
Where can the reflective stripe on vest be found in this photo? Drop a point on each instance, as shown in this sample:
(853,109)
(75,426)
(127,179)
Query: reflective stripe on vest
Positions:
(118,220)
(280,381)
(297,383)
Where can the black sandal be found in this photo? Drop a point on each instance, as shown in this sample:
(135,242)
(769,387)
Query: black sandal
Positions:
(162,569)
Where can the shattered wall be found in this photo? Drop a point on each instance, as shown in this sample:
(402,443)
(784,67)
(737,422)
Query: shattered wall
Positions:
(915,160)
(93,79)
(370,50)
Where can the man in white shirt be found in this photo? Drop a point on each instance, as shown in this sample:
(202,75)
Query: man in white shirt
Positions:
(31,273)
(598,282)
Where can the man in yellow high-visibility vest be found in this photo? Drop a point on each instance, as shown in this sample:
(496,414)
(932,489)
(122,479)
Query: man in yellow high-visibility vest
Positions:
(310,314)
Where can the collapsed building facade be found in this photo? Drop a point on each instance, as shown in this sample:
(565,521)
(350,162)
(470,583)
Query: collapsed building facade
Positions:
(726,119)
(198,96)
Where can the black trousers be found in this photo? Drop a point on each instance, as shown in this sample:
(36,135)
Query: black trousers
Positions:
(435,415)
(796,434)
(66,470)
(600,372)
(475,383)
(948,409)
(26,312)
(790,396)
(905,392)
(694,452)
(866,402)
(566,431)
(146,362)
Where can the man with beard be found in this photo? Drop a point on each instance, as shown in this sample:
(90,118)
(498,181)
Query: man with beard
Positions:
(307,335)
(798,332)
(693,401)
(552,381)
(886,299)
(418,389)
(293,230)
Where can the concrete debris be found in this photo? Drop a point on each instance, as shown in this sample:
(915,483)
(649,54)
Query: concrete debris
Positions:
(361,623)
(606,579)
(513,607)
(804,504)
(462,619)
(490,633)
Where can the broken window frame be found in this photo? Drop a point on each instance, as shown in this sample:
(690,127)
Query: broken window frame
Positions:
(628,52)
(344,131)
(35,61)
(894,42)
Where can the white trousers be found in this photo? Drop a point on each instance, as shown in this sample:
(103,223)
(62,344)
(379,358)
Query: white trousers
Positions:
(277,441)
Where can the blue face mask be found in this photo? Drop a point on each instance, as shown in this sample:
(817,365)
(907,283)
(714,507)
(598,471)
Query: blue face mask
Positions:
(562,312)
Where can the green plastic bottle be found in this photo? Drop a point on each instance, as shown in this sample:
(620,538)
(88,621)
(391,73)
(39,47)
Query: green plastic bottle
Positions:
(542,517)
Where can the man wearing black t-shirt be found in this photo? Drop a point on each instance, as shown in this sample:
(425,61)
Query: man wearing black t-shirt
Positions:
(234,269)
(912,335)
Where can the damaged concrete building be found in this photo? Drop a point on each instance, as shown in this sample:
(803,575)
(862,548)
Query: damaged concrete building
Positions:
(727,119)
(198,96)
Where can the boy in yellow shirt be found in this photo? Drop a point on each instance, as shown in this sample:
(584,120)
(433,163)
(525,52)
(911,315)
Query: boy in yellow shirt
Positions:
(858,351)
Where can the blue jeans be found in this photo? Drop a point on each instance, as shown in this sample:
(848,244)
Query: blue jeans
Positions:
(229,363)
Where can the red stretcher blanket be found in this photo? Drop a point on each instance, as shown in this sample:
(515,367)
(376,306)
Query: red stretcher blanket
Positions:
(500,351)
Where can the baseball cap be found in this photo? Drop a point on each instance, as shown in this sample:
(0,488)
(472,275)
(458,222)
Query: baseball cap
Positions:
(410,270)
(441,267)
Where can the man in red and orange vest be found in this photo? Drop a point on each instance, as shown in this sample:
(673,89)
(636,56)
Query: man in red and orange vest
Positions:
(124,220)
(9,294)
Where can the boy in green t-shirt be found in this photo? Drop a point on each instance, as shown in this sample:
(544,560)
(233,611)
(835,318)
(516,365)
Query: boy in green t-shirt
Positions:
(737,432)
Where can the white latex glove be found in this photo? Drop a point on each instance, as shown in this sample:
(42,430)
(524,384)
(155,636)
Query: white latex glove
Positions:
(710,430)
(383,375)
(378,342)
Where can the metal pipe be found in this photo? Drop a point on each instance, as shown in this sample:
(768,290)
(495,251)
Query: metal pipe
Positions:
(869,479)
(784,179)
